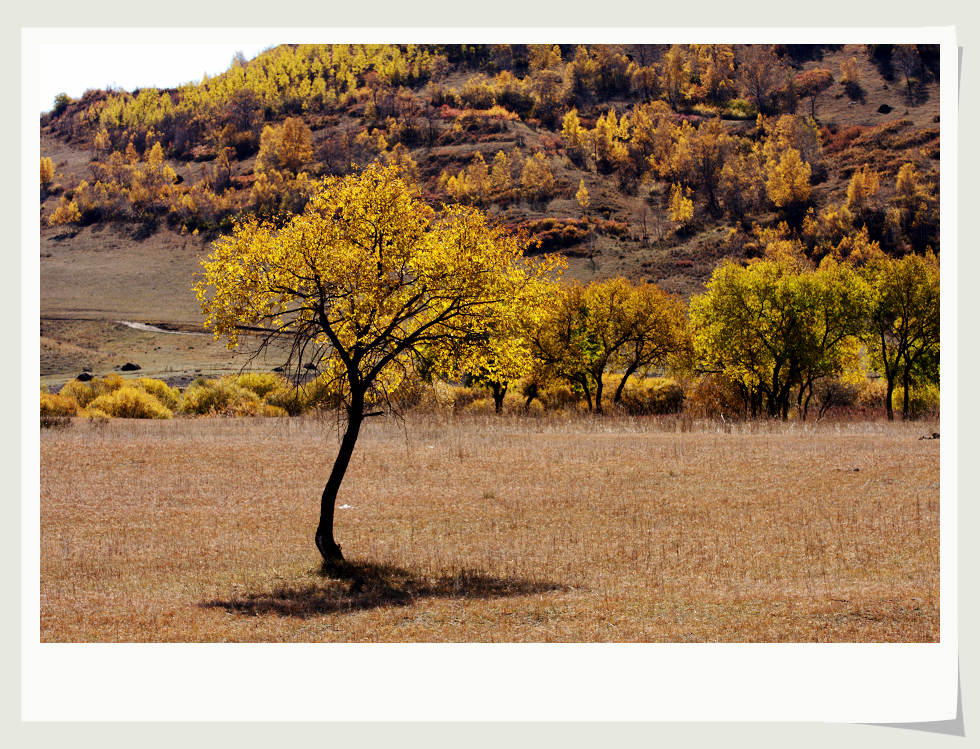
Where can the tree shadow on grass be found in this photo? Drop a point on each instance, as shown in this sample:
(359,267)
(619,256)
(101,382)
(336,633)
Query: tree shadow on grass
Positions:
(358,586)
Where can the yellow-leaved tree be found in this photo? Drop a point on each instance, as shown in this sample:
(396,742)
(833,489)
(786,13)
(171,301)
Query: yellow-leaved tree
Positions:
(47,173)
(582,196)
(610,325)
(788,180)
(369,285)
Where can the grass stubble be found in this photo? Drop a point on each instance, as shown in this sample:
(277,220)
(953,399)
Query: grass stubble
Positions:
(485,529)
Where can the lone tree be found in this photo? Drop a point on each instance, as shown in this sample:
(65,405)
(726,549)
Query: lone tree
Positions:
(373,287)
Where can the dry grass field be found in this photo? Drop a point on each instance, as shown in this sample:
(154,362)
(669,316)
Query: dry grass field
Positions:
(484,529)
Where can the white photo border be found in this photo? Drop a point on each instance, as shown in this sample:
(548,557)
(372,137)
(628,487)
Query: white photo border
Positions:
(843,682)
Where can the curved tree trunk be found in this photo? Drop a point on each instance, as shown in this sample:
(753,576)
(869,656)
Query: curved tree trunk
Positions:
(326,544)
(618,397)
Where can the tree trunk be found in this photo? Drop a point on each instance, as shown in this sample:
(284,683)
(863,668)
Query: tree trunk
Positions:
(499,391)
(888,399)
(598,395)
(530,393)
(905,394)
(618,397)
(325,543)
(584,382)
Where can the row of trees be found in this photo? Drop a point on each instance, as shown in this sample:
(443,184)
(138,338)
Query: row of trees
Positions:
(289,79)
(506,178)
(778,326)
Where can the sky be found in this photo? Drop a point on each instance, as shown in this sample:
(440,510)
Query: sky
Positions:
(73,68)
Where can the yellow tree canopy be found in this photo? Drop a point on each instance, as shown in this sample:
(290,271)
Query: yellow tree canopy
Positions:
(368,283)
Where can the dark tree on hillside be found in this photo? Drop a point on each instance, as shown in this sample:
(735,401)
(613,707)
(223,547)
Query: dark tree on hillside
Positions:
(760,73)
(905,58)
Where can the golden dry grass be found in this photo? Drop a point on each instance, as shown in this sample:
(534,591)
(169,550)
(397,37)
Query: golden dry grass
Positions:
(485,529)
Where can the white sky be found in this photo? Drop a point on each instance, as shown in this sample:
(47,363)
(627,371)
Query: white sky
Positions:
(73,68)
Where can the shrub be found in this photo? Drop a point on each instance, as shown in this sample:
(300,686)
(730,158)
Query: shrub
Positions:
(534,408)
(58,405)
(85,392)
(871,395)
(108,384)
(286,398)
(219,397)
(740,109)
(552,234)
(479,405)
(559,397)
(714,395)
(445,396)
(78,391)
(260,383)
(168,396)
(66,212)
(319,393)
(923,400)
(834,393)
(130,402)
(653,395)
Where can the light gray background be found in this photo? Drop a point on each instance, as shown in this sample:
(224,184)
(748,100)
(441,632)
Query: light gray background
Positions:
(520,13)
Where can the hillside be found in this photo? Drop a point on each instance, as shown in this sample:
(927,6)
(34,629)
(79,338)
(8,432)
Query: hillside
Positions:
(683,152)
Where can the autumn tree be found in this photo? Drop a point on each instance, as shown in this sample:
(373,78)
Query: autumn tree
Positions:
(776,325)
(861,191)
(286,147)
(715,68)
(47,174)
(537,179)
(607,326)
(788,180)
(575,138)
(680,207)
(607,139)
(791,131)
(699,155)
(849,72)
(905,57)
(902,332)
(582,197)
(506,354)
(675,73)
(368,285)
(917,208)
(810,84)
(850,78)
(658,334)
(543,57)
(741,182)
(760,74)
(501,176)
